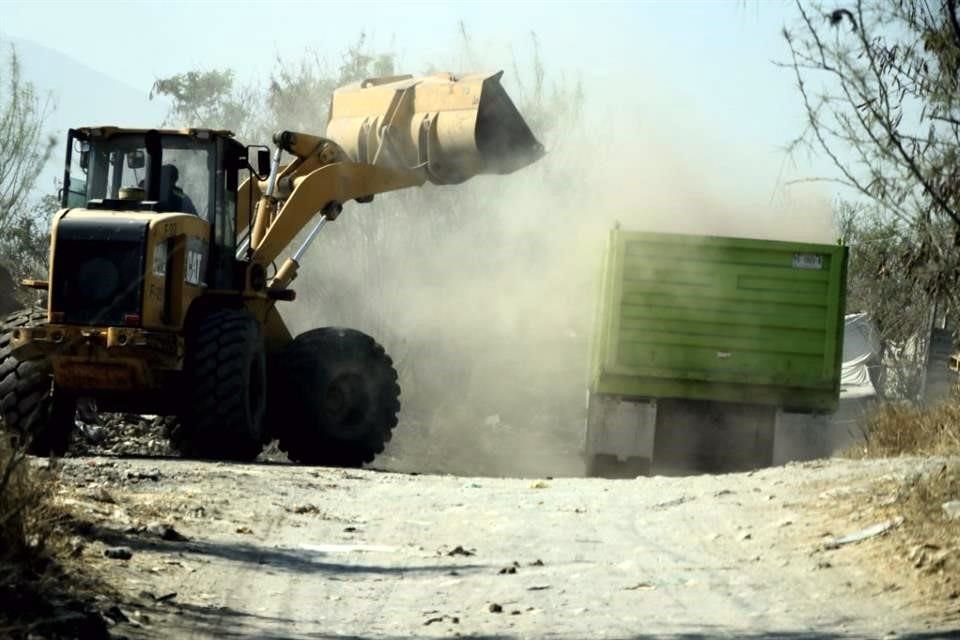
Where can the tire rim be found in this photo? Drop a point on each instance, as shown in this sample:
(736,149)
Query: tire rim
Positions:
(345,401)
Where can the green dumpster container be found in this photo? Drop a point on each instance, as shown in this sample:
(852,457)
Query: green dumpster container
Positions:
(702,344)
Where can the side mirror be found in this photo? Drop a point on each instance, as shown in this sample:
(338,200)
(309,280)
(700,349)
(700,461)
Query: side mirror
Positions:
(263,162)
(136,159)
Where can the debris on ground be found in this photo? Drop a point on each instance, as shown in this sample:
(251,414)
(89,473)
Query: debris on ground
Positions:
(460,551)
(150,474)
(495,608)
(672,503)
(118,553)
(116,614)
(641,586)
(166,597)
(75,547)
(920,553)
(166,532)
(952,509)
(303,509)
(923,550)
(102,495)
(864,534)
(120,434)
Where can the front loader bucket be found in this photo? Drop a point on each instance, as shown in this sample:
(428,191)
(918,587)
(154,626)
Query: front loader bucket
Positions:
(451,128)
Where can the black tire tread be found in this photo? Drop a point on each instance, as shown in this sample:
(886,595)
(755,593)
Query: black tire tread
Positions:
(27,405)
(300,436)
(210,425)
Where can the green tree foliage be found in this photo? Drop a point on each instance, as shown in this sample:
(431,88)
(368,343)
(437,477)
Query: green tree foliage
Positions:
(24,150)
(299,92)
(296,96)
(26,244)
(202,99)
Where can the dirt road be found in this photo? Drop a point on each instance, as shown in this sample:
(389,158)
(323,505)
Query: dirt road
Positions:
(276,551)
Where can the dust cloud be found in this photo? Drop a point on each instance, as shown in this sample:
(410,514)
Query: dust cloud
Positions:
(484,293)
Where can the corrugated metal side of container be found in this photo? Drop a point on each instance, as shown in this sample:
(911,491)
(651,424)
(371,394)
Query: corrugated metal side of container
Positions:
(603,313)
(721,318)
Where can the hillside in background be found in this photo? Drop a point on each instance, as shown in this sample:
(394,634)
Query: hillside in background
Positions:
(80,96)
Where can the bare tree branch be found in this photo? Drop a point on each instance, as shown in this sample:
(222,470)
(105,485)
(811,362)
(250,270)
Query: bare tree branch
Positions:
(24,151)
(954,23)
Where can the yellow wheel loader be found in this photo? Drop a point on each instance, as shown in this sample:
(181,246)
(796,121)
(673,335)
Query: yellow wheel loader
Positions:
(162,286)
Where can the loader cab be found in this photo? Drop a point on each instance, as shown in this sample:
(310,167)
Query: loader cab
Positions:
(193,171)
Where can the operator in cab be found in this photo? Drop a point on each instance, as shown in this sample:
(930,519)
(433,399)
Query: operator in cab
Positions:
(171,194)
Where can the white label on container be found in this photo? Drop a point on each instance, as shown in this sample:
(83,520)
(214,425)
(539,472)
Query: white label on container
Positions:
(807,261)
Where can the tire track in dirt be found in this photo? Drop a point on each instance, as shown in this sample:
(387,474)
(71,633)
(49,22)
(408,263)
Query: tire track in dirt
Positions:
(365,554)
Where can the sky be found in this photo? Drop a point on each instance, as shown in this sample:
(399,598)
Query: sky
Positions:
(714,57)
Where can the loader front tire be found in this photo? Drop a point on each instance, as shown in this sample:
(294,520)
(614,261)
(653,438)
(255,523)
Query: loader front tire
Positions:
(338,396)
(224,394)
(34,413)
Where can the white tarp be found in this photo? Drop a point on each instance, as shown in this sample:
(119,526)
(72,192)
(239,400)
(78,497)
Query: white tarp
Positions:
(807,437)
(861,347)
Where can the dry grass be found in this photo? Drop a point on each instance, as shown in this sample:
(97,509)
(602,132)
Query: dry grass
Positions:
(893,430)
(26,520)
(930,538)
(921,557)
(39,596)
(925,549)
(25,529)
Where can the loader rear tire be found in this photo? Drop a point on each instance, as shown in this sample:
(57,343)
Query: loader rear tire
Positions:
(224,393)
(34,413)
(338,396)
